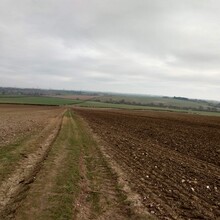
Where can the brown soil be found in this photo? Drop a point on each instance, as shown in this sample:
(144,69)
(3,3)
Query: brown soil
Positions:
(19,121)
(36,202)
(172,160)
(102,196)
(13,188)
(33,189)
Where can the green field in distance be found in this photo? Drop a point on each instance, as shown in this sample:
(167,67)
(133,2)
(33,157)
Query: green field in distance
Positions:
(56,101)
(36,100)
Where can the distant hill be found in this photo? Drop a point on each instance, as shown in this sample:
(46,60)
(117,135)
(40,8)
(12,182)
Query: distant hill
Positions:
(163,102)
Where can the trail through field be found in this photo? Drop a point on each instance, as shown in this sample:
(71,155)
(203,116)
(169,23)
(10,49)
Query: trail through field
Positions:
(66,178)
(13,188)
(171,161)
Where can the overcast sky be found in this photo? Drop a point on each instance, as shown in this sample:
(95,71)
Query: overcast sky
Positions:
(160,47)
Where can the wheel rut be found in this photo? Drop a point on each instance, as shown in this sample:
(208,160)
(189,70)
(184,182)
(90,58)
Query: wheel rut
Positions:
(67,177)
(171,161)
(100,196)
(14,188)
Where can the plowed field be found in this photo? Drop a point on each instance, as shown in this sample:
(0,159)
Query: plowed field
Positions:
(52,168)
(172,160)
(19,121)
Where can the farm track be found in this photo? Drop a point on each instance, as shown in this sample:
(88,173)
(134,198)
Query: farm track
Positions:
(171,160)
(13,189)
(65,177)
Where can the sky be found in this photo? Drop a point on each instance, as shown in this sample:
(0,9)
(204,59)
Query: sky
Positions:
(157,47)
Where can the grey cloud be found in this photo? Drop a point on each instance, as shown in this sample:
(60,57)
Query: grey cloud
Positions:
(145,46)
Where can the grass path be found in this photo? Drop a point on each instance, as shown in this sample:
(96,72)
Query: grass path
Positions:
(75,181)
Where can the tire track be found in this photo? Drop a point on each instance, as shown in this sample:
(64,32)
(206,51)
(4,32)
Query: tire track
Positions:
(173,183)
(101,198)
(12,190)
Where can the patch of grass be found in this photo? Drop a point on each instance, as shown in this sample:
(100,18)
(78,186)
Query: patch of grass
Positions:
(66,188)
(37,100)
(95,104)
(95,159)
(23,145)
(55,101)
(88,145)
(142,99)
(11,154)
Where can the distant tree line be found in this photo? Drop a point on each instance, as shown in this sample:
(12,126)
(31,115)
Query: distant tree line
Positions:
(181,98)
(160,105)
(41,92)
